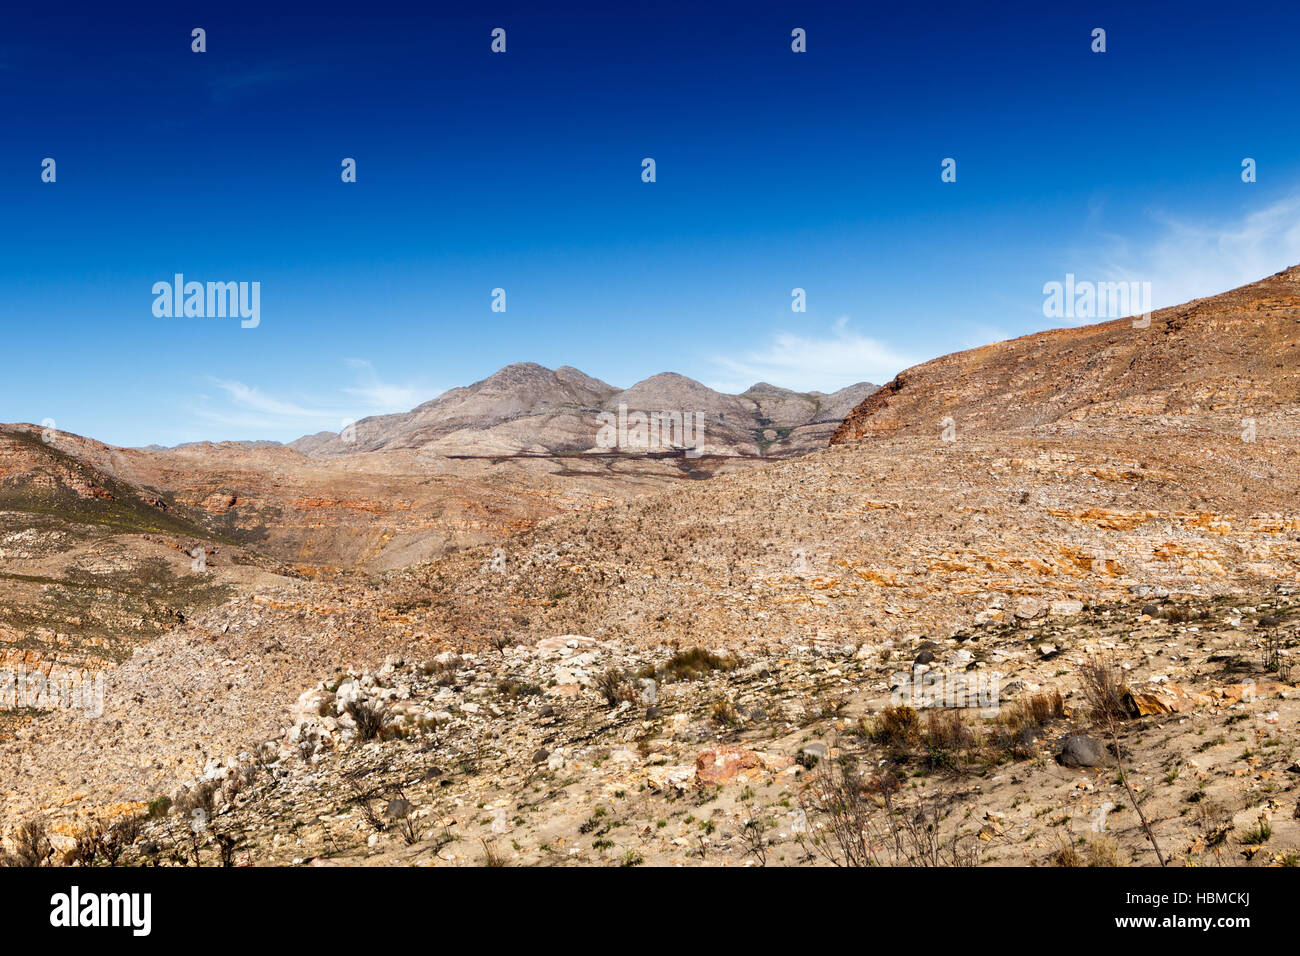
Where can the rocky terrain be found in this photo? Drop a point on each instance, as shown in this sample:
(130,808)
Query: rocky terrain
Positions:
(572,751)
(1101,544)
(97,544)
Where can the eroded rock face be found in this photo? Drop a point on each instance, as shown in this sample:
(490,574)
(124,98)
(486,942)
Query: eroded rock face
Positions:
(1162,698)
(218,503)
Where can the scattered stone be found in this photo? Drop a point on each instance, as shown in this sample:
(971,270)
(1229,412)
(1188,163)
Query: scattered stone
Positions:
(725,763)
(1079,750)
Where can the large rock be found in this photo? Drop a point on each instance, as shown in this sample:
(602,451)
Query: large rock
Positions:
(675,777)
(1251,690)
(1079,750)
(727,763)
(1028,608)
(1161,699)
(311,704)
(649,691)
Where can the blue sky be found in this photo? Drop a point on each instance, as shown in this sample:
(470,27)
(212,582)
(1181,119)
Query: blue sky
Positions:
(522,171)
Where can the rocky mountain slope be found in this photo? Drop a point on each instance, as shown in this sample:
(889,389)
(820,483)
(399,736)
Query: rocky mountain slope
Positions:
(1230,355)
(97,543)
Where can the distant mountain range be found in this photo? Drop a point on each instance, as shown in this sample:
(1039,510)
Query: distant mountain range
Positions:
(527,409)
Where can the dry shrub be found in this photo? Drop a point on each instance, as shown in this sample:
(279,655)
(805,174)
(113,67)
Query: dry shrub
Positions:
(837,803)
(1067,856)
(1104,689)
(101,842)
(1102,852)
(1042,709)
(897,727)
(724,713)
(201,796)
(491,855)
(368,717)
(945,730)
(443,672)
(615,688)
(858,821)
(949,741)
(688,665)
(31,846)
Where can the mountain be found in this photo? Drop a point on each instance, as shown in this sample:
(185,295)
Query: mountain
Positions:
(1235,355)
(526,409)
(473,465)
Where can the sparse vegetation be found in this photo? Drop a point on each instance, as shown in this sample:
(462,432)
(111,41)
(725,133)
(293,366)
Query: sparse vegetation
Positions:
(688,665)
(614,687)
(369,719)
(31,846)
(1259,834)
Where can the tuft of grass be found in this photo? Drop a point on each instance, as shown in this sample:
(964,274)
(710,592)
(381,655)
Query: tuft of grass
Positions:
(1259,834)
(1102,852)
(369,719)
(688,665)
(724,713)
(614,687)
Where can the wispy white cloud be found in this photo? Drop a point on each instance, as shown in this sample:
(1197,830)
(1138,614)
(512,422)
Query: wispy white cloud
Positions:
(259,413)
(976,334)
(372,393)
(805,362)
(251,398)
(1191,259)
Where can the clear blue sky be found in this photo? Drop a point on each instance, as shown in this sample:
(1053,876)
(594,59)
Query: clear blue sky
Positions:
(522,171)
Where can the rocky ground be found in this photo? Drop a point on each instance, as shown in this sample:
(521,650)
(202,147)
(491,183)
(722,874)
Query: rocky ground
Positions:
(821,582)
(577,752)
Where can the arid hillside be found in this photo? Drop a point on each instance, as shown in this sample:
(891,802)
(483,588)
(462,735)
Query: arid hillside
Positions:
(704,675)
(104,548)
(1235,354)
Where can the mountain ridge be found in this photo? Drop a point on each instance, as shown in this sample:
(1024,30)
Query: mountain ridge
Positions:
(526,408)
